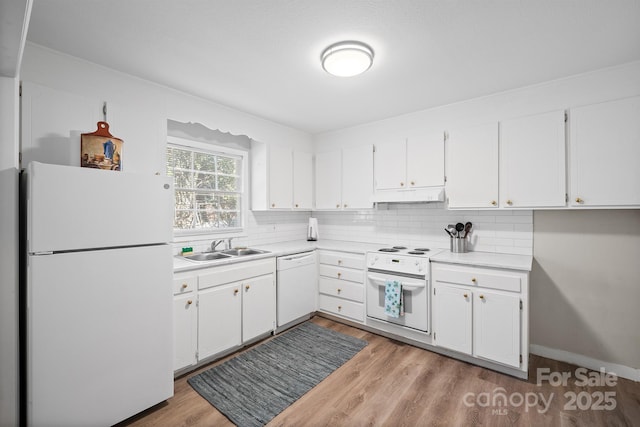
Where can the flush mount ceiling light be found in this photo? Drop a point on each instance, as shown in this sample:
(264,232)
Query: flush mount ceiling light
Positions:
(346,59)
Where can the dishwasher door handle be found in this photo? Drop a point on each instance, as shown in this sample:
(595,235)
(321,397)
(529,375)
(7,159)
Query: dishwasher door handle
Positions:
(298,258)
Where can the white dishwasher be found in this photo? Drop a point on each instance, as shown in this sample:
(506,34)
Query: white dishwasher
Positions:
(297,287)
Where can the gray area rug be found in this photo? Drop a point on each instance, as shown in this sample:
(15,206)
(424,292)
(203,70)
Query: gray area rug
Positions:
(257,385)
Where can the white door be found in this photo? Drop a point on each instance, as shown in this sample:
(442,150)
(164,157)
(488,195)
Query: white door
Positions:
(99,335)
(357,177)
(497,327)
(219,319)
(604,151)
(258,306)
(280,176)
(185,331)
(452,318)
(391,165)
(302,180)
(532,161)
(66,212)
(472,167)
(425,160)
(329,180)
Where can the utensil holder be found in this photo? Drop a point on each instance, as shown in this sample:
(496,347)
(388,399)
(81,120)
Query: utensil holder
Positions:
(459,245)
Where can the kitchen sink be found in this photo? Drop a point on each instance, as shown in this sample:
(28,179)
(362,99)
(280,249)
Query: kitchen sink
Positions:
(207,256)
(243,251)
(218,255)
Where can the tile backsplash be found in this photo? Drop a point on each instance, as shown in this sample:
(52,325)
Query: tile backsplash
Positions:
(423,224)
(409,224)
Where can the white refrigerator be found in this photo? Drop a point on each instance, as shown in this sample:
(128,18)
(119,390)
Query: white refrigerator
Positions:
(98,301)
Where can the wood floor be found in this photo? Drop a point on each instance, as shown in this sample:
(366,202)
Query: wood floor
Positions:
(394,384)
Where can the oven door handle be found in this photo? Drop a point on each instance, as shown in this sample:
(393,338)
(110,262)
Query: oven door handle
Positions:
(405,283)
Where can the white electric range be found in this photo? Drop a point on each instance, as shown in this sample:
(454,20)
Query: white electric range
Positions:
(408,266)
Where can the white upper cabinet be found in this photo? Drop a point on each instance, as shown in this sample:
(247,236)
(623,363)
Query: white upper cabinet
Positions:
(302,180)
(413,162)
(472,167)
(344,178)
(532,161)
(281,178)
(604,149)
(329,180)
(425,160)
(357,177)
(391,165)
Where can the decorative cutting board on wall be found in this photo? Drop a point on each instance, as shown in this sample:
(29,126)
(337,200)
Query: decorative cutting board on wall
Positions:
(100,149)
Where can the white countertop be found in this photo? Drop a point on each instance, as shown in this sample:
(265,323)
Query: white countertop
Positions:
(482,259)
(278,249)
(486,259)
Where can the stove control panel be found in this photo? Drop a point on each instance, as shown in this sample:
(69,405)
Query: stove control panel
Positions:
(398,263)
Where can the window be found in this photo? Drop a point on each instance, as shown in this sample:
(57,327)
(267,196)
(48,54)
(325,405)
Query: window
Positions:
(208,183)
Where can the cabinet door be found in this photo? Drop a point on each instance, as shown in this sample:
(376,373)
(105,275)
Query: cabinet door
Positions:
(219,319)
(452,318)
(391,165)
(472,167)
(425,160)
(280,176)
(329,180)
(497,327)
(604,151)
(185,331)
(357,177)
(258,306)
(532,161)
(302,180)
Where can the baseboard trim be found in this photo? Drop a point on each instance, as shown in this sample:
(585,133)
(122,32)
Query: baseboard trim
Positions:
(621,371)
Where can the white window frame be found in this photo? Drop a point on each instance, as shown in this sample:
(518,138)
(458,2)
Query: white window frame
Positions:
(244,176)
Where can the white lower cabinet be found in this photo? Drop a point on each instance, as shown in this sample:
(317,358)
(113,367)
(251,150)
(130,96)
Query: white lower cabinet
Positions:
(185,331)
(258,306)
(482,312)
(219,320)
(341,284)
(233,305)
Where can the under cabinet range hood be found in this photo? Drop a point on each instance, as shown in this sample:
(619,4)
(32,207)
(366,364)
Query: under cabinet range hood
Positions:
(410,195)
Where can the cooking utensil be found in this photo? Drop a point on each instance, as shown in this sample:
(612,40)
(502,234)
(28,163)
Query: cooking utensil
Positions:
(459,227)
(448,232)
(467,228)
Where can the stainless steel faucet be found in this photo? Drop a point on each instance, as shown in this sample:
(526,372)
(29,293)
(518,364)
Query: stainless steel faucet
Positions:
(229,242)
(215,244)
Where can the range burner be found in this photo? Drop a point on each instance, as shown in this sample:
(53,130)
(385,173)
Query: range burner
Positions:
(400,247)
(388,250)
(422,249)
(415,252)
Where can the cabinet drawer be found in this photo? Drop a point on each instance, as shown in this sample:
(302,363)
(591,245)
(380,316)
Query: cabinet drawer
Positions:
(473,276)
(342,273)
(342,259)
(341,289)
(341,307)
(183,283)
(235,272)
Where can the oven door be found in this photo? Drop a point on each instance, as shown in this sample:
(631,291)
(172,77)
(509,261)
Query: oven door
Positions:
(416,299)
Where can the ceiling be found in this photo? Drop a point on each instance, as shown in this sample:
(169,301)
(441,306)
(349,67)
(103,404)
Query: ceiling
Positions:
(263,57)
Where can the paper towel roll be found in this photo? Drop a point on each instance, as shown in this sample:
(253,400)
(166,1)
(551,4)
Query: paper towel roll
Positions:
(312,229)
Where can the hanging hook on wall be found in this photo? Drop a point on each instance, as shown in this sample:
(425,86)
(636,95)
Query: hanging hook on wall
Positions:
(104,111)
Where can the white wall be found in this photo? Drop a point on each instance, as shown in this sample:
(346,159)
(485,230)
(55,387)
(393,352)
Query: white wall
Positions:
(9,120)
(137,110)
(586,319)
(586,284)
